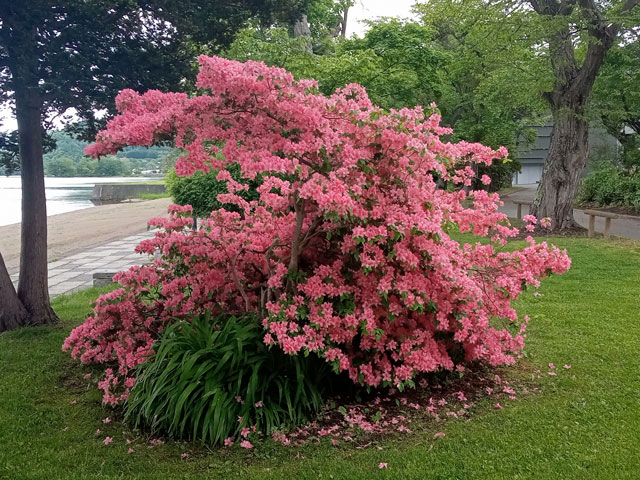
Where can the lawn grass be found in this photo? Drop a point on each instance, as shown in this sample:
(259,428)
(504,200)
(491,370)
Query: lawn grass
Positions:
(582,424)
(154,196)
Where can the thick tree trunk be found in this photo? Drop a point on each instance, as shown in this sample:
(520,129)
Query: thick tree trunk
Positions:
(33,285)
(563,167)
(12,312)
(569,147)
(301,30)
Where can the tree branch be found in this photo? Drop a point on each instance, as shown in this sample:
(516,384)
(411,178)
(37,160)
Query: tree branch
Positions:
(299,206)
(239,286)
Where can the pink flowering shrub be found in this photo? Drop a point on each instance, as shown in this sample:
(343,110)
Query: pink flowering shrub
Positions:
(346,253)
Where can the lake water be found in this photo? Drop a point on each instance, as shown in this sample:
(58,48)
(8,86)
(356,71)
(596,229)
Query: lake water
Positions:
(63,194)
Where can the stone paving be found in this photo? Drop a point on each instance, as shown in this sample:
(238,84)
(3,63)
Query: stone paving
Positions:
(75,272)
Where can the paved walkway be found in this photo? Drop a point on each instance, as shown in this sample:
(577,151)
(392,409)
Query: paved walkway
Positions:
(626,226)
(75,272)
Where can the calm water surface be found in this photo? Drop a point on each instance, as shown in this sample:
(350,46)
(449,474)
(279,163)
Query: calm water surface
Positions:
(63,194)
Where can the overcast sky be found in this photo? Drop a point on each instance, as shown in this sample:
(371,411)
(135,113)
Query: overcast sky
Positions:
(362,10)
(371,9)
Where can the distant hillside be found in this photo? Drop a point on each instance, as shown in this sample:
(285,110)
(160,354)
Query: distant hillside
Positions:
(68,160)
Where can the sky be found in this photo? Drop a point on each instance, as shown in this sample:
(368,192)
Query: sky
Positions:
(362,10)
(371,9)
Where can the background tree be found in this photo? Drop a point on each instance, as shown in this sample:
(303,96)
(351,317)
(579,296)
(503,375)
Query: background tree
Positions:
(61,167)
(554,49)
(578,36)
(616,97)
(78,54)
(404,64)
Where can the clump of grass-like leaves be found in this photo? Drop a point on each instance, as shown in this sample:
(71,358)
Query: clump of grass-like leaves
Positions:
(211,377)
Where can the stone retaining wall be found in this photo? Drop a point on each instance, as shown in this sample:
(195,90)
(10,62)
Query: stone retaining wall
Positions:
(117,192)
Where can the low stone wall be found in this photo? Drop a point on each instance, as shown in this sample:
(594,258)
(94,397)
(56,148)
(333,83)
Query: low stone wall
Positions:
(117,192)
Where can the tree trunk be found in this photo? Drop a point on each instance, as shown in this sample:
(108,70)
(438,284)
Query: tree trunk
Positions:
(12,312)
(569,146)
(301,30)
(563,167)
(33,284)
(345,17)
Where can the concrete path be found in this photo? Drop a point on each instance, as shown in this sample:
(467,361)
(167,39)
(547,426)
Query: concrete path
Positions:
(626,226)
(75,272)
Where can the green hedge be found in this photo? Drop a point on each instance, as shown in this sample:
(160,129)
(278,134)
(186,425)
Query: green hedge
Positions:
(611,186)
(201,190)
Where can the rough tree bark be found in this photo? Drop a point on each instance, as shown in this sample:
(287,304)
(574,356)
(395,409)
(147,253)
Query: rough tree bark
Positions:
(33,284)
(563,166)
(573,84)
(33,287)
(12,312)
(301,30)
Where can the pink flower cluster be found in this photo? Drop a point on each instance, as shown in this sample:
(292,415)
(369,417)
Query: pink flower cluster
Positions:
(347,252)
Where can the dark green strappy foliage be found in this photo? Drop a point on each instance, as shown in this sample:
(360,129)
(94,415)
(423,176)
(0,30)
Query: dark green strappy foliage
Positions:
(206,377)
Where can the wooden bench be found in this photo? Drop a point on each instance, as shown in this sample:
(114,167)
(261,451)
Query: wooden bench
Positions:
(520,203)
(607,224)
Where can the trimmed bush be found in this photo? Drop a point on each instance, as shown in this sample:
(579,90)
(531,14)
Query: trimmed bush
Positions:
(201,190)
(210,378)
(610,186)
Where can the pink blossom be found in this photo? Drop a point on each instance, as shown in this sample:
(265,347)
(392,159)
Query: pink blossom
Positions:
(131,450)
(355,213)
(567,367)
(107,440)
(439,435)
(228,441)
(497,405)
(382,465)
(246,444)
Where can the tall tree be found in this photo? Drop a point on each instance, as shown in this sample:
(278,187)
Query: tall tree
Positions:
(579,35)
(404,64)
(552,48)
(617,97)
(77,54)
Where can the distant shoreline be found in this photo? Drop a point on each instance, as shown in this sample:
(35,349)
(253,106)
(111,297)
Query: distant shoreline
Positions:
(78,230)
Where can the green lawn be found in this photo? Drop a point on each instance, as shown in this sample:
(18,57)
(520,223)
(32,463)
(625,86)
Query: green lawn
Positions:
(154,196)
(583,424)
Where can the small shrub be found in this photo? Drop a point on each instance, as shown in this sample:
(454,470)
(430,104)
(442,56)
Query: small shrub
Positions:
(611,186)
(501,174)
(212,377)
(201,190)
